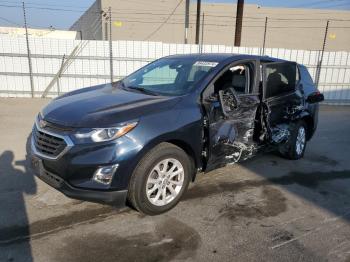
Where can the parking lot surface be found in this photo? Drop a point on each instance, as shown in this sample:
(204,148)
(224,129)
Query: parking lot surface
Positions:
(264,209)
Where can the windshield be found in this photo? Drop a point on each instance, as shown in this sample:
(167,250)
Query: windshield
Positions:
(169,76)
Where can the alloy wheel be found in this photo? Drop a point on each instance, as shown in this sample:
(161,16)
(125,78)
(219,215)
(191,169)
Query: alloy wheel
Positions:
(165,182)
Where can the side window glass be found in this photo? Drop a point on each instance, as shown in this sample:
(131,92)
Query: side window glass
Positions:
(280,78)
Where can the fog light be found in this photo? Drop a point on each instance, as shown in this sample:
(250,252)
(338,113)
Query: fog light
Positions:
(105,174)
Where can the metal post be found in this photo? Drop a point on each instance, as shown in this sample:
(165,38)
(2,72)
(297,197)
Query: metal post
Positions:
(110,44)
(198,20)
(59,75)
(106,30)
(319,65)
(187,11)
(202,33)
(239,19)
(28,53)
(263,49)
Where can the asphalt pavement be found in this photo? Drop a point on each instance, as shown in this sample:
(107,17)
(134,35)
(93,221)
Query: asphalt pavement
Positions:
(264,209)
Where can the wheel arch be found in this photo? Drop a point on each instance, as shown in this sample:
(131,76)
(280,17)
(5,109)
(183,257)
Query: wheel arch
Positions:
(181,143)
(309,121)
(189,151)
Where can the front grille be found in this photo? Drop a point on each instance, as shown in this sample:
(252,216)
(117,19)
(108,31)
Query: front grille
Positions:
(48,144)
(57,128)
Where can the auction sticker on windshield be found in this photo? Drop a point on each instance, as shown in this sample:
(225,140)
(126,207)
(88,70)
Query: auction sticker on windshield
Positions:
(206,63)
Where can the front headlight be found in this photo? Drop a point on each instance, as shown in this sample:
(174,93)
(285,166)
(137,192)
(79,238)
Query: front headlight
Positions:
(104,134)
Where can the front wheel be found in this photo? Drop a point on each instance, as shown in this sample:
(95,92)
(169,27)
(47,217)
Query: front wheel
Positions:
(297,141)
(160,179)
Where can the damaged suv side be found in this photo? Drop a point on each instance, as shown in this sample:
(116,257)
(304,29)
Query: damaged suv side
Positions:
(258,104)
(143,139)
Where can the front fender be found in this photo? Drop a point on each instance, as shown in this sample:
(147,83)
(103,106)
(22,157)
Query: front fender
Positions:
(182,127)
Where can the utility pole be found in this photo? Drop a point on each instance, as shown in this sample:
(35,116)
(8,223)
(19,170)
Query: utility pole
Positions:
(202,32)
(239,19)
(28,52)
(263,49)
(319,66)
(104,17)
(198,21)
(187,20)
(110,43)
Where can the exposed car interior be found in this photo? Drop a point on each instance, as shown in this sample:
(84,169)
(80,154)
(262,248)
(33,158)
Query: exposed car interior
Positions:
(281,78)
(238,77)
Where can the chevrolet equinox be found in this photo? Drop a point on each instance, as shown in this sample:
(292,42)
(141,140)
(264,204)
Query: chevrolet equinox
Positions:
(142,139)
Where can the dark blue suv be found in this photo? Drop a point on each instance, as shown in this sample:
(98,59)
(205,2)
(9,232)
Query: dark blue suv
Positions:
(144,138)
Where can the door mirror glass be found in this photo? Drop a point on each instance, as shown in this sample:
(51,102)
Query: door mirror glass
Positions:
(228,100)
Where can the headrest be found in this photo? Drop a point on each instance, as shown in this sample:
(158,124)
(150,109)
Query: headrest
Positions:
(274,79)
(239,81)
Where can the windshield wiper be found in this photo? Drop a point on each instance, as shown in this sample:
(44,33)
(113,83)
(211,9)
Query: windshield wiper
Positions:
(143,90)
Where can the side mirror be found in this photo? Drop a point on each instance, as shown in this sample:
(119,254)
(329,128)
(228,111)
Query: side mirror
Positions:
(315,97)
(228,100)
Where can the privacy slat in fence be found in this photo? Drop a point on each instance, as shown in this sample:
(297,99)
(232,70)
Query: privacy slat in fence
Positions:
(90,66)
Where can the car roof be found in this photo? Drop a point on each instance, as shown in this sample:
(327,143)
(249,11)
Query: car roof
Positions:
(219,57)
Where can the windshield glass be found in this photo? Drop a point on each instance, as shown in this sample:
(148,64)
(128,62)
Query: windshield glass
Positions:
(169,76)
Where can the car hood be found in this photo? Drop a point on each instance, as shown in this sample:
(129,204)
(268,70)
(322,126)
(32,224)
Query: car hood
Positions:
(103,106)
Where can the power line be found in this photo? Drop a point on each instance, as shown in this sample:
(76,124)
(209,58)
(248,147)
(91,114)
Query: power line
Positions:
(9,21)
(29,3)
(43,8)
(228,25)
(170,21)
(256,19)
(165,21)
(173,14)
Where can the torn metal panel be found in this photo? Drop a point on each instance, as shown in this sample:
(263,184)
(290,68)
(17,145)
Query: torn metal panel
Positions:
(232,137)
(280,134)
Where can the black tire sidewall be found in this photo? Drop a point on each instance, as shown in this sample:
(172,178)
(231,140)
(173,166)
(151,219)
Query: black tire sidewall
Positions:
(143,170)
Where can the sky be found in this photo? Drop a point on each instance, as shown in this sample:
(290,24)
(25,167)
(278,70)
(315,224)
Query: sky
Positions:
(44,13)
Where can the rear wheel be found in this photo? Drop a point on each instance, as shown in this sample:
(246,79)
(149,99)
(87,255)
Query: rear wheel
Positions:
(295,147)
(160,179)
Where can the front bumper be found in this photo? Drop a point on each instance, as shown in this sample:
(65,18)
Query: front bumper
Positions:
(78,163)
(116,198)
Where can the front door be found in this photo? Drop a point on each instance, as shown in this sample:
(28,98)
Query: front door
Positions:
(231,119)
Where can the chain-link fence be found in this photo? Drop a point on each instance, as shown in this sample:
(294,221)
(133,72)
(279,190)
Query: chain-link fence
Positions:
(62,65)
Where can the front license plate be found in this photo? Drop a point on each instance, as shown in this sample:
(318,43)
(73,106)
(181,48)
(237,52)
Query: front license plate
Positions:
(36,164)
(47,177)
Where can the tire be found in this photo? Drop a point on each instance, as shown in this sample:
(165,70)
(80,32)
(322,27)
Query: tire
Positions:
(295,147)
(150,176)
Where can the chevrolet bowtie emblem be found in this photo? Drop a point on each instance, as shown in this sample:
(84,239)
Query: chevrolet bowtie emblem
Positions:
(42,123)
